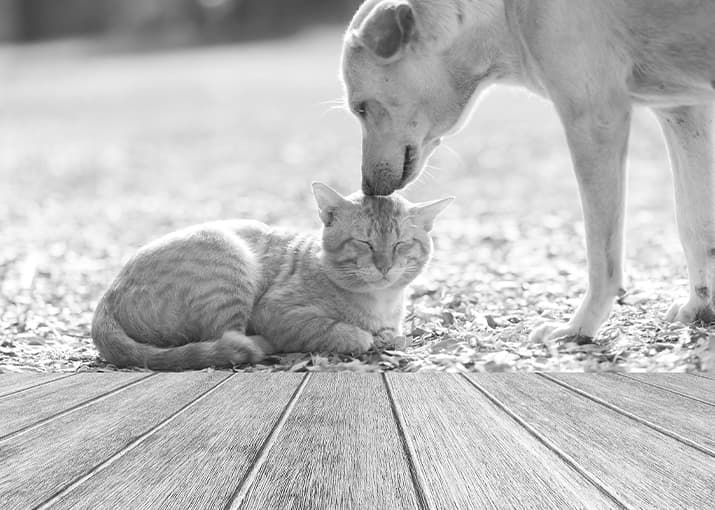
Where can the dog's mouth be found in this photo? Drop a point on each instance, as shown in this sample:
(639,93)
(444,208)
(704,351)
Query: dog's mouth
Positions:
(409,165)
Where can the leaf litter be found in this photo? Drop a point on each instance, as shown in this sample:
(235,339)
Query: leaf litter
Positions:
(453,324)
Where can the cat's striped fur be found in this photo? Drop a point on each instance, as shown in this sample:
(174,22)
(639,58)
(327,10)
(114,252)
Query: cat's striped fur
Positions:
(230,292)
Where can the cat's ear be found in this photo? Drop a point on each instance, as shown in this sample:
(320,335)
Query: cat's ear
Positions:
(425,213)
(328,201)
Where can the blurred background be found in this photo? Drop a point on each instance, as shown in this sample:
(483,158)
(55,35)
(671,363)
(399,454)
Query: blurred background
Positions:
(121,120)
(168,21)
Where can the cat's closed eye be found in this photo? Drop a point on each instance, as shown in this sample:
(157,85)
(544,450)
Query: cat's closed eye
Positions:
(402,247)
(364,244)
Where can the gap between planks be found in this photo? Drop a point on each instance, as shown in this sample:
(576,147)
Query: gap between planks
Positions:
(36,385)
(704,376)
(424,500)
(632,416)
(235,500)
(75,407)
(129,447)
(676,392)
(591,478)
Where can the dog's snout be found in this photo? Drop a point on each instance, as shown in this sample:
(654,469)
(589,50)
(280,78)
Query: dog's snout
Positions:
(389,175)
(380,180)
(408,163)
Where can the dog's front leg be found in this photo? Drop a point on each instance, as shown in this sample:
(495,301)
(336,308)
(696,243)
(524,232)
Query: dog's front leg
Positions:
(597,134)
(689,133)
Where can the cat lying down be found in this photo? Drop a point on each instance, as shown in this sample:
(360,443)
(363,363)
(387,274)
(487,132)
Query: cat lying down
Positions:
(230,292)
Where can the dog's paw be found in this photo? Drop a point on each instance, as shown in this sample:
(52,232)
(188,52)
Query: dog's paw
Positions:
(553,331)
(689,312)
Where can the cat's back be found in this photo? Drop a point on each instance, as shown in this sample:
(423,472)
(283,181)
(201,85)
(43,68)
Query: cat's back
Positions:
(215,237)
(284,254)
(193,250)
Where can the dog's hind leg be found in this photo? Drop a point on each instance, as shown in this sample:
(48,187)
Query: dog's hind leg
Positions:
(597,131)
(689,135)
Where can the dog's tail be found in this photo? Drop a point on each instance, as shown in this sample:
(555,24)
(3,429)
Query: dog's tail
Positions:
(120,349)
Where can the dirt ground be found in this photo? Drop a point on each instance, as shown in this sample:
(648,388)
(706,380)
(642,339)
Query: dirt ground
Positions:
(102,151)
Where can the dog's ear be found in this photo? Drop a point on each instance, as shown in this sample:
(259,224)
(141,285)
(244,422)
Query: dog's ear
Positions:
(328,201)
(388,28)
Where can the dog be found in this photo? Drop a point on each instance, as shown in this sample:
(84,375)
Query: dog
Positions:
(412,70)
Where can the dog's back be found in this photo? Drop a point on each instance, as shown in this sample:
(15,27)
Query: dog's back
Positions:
(672,45)
(666,48)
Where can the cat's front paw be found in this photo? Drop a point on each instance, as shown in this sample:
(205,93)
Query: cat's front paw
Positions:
(388,338)
(349,339)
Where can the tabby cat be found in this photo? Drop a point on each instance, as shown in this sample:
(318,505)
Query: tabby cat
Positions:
(230,292)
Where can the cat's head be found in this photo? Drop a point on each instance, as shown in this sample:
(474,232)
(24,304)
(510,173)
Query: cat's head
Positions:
(374,242)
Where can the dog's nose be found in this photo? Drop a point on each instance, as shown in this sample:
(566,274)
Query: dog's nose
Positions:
(367,187)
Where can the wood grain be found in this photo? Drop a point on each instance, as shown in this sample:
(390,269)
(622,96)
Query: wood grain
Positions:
(646,468)
(198,458)
(697,387)
(682,416)
(706,375)
(472,455)
(37,464)
(14,382)
(339,449)
(28,407)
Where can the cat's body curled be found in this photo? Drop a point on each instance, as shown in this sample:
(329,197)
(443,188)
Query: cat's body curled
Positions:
(231,292)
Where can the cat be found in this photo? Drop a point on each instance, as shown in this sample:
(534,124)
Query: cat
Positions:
(230,292)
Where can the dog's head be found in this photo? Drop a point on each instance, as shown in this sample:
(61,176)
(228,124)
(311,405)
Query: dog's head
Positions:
(404,82)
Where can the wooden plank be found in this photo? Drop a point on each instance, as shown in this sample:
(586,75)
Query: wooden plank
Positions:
(693,386)
(470,454)
(29,407)
(645,468)
(197,459)
(37,464)
(339,448)
(14,382)
(706,375)
(679,416)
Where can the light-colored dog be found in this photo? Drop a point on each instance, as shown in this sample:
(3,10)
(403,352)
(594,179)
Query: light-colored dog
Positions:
(412,69)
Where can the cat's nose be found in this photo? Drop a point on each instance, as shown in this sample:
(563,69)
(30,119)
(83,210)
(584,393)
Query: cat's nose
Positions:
(382,263)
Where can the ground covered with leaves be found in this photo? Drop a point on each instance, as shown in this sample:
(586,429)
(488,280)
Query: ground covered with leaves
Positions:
(103,151)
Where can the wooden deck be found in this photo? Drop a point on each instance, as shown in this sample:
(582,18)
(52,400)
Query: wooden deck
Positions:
(339,440)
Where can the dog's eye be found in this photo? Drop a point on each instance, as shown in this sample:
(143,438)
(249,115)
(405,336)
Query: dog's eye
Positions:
(360,109)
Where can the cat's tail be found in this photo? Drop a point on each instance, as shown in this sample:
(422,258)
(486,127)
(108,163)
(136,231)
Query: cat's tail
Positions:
(118,348)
